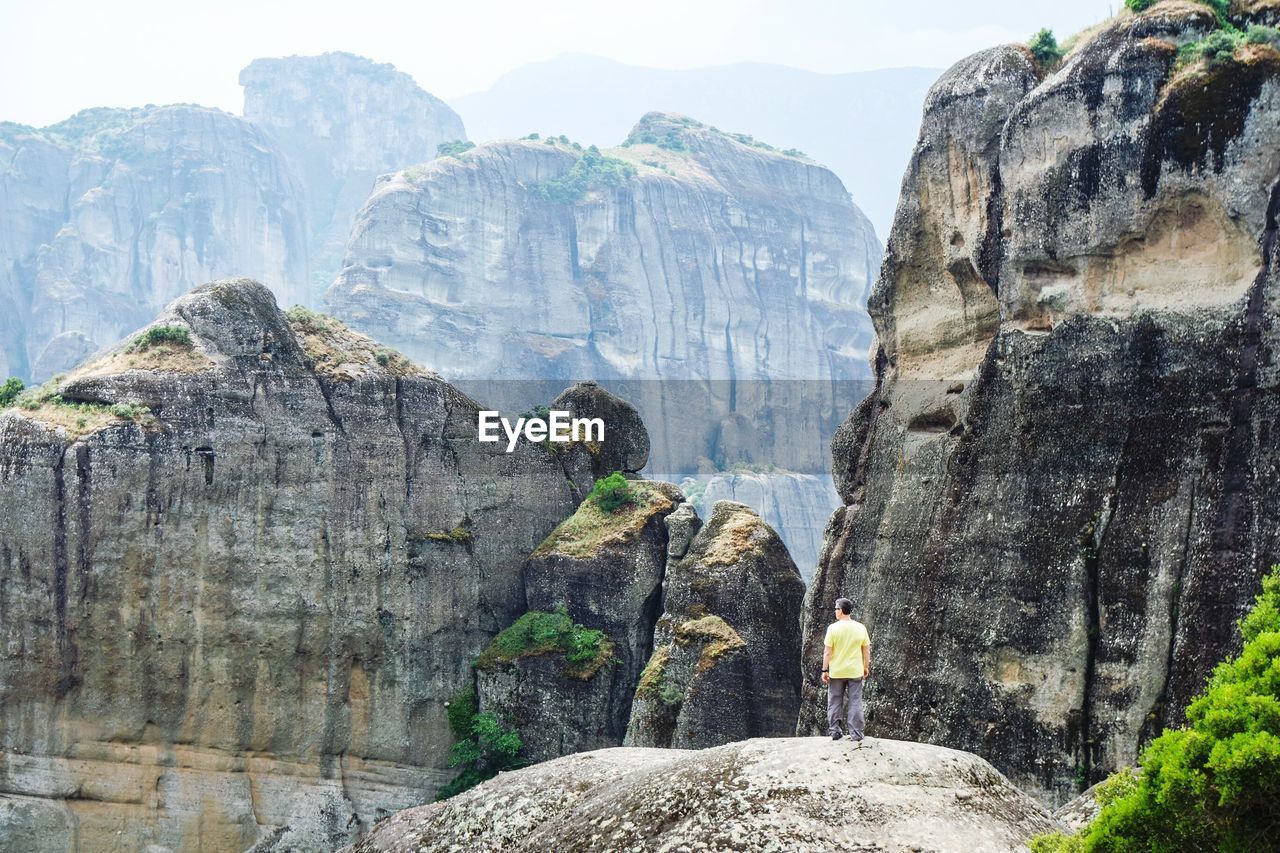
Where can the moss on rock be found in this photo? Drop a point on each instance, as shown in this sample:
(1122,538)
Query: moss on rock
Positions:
(591,528)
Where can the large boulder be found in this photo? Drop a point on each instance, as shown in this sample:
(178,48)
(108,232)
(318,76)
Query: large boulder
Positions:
(1061,495)
(725,664)
(795,794)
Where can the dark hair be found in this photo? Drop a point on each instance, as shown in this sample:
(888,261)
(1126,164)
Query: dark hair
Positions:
(845,605)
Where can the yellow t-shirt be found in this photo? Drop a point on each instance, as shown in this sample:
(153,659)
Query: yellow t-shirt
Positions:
(846,639)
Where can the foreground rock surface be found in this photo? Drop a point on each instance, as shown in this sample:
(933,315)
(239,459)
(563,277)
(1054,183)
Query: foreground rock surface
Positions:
(1063,492)
(777,794)
(236,618)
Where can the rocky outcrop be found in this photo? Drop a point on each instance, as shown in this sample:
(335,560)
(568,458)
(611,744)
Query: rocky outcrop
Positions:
(727,647)
(342,120)
(686,254)
(801,794)
(603,570)
(796,505)
(1061,495)
(241,575)
(112,214)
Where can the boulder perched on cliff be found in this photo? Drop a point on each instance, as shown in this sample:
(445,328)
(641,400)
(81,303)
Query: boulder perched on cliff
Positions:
(725,664)
(113,213)
(342,120)
(628,438)
(1061,496)
(801,794)
(245,559)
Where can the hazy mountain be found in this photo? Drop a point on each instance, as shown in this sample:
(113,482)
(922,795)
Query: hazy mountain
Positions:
(862,125)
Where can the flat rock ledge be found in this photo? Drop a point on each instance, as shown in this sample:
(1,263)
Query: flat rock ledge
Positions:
(764,794)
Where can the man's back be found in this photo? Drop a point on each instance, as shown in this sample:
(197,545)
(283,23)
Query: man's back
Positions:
(846,637)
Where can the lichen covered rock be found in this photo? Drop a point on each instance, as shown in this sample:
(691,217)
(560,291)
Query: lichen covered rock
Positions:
(801,794)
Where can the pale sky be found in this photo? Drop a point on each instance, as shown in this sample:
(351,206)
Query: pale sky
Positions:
(60,56)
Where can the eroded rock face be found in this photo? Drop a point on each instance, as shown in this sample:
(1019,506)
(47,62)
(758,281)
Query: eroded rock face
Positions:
(705,259)
(112,214)
(237,618)
(803,794)
(727,647)
(1057,517)
(797,506)
(342,120)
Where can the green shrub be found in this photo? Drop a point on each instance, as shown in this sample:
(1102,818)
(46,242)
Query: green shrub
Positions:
(453,148)
(593,170)
(612,493)
(1044,47)
(157,335)
(461,709)
(1214,784)
(1139,5)
(538,633)
(533,137)
(10,390)
(484,746)
(1258,34)
(129,411)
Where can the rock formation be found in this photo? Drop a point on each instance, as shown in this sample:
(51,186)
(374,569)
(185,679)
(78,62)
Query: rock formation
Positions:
(727,647)
(801,794)
(734,273)
(604,570)
(799,504)
(111,214)
(342,120)
(1062,493)
(241,574)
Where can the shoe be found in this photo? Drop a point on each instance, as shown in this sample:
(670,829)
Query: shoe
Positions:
(836,736)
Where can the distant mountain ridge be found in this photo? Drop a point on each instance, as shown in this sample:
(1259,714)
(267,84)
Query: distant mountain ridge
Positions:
(860,124)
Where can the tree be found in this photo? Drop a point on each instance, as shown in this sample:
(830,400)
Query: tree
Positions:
(1044,47)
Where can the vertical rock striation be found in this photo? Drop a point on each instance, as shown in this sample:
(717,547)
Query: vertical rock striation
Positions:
(342,120)
(1063,490)
(111,214)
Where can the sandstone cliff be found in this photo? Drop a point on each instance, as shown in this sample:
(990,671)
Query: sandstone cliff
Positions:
(111,214)
(241,575)
(1062,493)
(778,794)
(342,120)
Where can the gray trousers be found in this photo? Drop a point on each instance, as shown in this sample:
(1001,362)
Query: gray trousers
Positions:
(838,691)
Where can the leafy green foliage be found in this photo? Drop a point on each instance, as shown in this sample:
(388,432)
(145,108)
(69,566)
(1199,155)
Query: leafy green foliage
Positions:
(1216,48)
(460,710)
(483,745)
(1214,784)
(593,170)
(1258,34)
(454,148)
(10,390)
(1044,47)
(538,633)
(612,493)
(157,335)
(1139,5)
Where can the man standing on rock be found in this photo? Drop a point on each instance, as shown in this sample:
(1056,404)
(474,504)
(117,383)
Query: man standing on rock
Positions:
(846,662)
